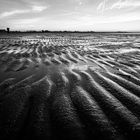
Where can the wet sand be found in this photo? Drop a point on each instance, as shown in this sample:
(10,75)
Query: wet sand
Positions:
(70,86)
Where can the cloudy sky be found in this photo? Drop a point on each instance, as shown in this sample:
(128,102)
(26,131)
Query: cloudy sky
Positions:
(97,15)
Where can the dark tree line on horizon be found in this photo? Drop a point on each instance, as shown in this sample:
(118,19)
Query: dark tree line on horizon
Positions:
(48,31)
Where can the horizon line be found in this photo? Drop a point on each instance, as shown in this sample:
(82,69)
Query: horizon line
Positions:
(44,30)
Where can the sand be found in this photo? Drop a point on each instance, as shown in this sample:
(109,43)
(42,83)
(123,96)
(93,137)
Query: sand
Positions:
(70,86)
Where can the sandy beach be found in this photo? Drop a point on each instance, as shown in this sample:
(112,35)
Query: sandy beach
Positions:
(70,86)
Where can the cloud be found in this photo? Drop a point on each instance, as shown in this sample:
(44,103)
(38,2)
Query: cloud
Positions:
(117,4)
(102,6)
(14,12)
(63,15)
(125,4)
(38,8)
(34,8)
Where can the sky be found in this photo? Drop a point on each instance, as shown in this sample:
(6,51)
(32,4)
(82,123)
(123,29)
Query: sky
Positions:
(80,15)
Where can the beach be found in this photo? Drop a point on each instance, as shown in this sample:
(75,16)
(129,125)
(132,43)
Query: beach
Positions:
(70,86)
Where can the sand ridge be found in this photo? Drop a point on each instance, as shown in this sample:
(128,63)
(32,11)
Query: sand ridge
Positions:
(64,86)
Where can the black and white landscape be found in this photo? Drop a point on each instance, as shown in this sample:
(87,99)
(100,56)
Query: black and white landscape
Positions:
(71,85)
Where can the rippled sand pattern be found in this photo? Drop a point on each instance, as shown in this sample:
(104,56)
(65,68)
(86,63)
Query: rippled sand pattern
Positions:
(70,86)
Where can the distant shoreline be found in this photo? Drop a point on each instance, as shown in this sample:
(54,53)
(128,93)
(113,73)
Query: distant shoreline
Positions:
(70,32)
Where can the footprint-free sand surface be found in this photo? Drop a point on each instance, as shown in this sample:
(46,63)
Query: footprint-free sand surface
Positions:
(70,86)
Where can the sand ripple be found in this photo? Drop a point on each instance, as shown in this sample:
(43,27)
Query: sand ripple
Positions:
(71,87)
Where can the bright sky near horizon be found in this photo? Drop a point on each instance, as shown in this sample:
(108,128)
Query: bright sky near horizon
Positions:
(82,15)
